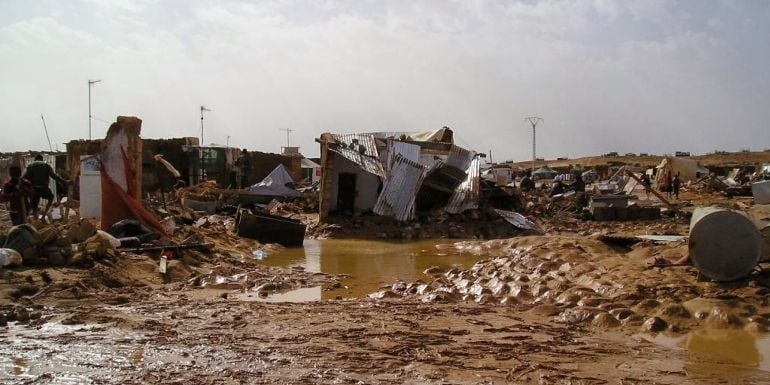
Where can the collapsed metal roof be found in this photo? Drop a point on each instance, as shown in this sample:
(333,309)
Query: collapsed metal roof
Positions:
(360,149)
(399,191)
(466,196)
(407,167)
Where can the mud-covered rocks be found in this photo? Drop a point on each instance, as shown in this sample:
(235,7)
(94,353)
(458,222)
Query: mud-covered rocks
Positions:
(384,294)
(654,324)
(577,315)
(605,321)
(581,281)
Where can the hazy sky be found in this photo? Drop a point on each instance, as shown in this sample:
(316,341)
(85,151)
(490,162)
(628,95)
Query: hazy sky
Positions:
(627,76)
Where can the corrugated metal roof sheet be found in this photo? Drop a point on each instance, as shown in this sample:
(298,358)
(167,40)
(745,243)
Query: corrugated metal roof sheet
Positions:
(361,143)
(406,150)
(460,157)
(519,221)
(400,190)
(360,149)
(466,196)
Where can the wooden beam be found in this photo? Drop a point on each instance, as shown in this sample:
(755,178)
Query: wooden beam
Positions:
(652,190)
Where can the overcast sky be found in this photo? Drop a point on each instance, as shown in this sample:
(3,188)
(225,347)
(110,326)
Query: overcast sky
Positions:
(627,76)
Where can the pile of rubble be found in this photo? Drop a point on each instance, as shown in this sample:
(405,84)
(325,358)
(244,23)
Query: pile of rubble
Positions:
(76,244)
(201,251)
(738,182)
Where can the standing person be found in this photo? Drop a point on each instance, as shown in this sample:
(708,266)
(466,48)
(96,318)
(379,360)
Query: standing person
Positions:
(579,185)
(527,183)
(242,169)
(677,183)
(17,192)
(39,174)
(668,185)
(647,184)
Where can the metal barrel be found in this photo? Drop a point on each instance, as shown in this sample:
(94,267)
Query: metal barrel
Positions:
(725,245)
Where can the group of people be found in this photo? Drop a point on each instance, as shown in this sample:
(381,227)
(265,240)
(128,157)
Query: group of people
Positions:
(22,193)
(558,187)
(671,184)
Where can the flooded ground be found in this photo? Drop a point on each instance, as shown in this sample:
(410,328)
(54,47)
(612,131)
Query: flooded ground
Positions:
(366,266)
(175,340)
(566,308)
(708,351)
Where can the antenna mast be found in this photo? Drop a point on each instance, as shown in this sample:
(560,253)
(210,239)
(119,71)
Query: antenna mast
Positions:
(46,133)
(288,131)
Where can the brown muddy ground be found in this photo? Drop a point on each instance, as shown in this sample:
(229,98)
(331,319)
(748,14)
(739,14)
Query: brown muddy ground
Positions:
(178,340)
(565,308)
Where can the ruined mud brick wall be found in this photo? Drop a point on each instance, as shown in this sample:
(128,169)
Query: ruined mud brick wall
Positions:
(170,148)
(262,163)
(325,193)
(156,176)
(124,133)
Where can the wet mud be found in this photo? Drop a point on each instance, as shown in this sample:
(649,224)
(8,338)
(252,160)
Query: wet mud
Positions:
(583,281)
(180,340)
(569,308)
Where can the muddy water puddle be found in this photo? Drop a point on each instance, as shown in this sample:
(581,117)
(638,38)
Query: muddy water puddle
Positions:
(74,353)
(711,351)
(369,264)
(86,354)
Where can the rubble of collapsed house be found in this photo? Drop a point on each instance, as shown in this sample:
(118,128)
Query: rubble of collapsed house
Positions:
(167,238)
(421,181)
(738,181)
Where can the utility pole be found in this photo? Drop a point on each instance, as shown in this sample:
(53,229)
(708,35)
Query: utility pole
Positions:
(228,141)
(202,109)
(90,83)
(533,120)
(46,133)
(288,131)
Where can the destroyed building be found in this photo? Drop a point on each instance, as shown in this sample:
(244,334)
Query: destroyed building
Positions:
(195,163)
(397,174)
(218,163)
